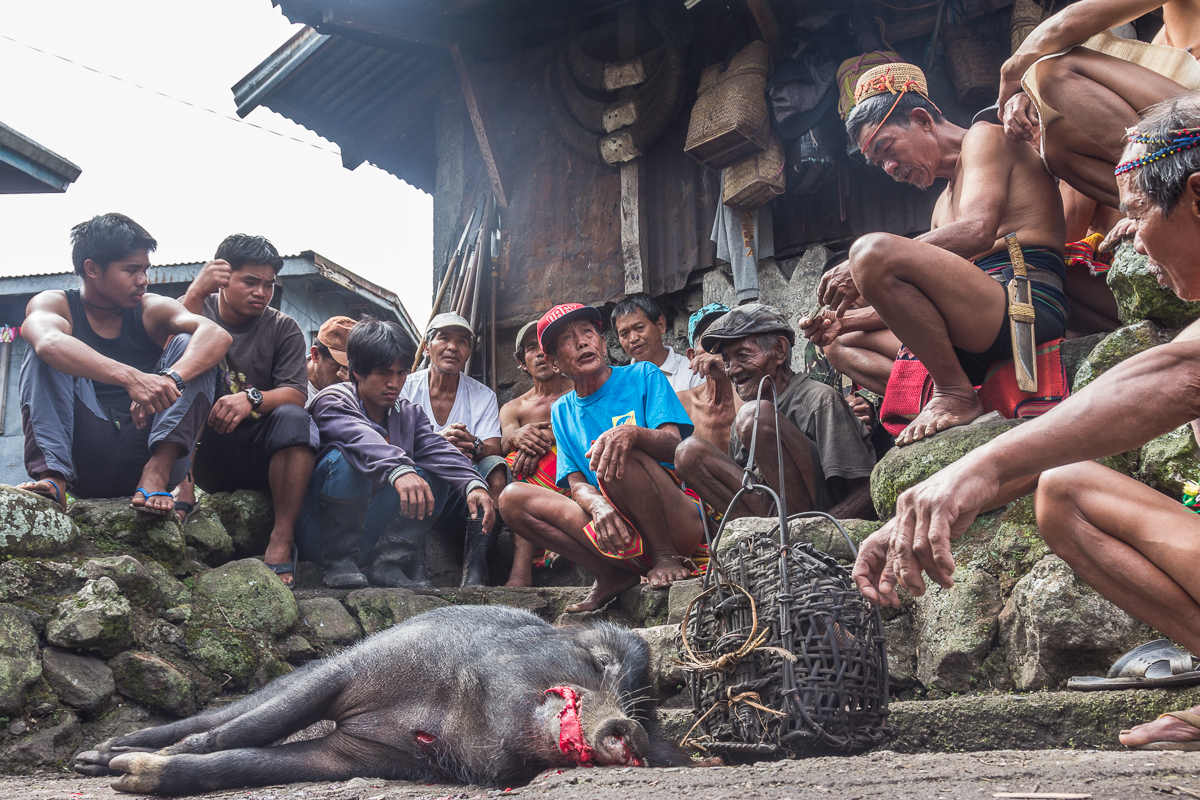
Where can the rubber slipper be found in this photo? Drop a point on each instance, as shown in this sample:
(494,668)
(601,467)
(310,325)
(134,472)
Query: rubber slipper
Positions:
(1151,665)
(186,508)
(1185,716)
(287,566)
(55,497)
(157,512)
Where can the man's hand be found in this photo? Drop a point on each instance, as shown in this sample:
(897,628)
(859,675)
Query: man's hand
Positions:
(1021,122)
(1010,77)
(837,289)
(154,393)
(862,409)
(708,366)
(140,417)
(457,434)
(1122,230)
(822,328)
(608,453)
(213,276)
(416,498)
(873,571)
(534,439)
(524,464)
(612,533)
(480,503)
(229,411)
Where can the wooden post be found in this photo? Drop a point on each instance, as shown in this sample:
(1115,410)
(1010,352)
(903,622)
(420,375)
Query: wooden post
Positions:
(483,133)
(764,17)
(633,174)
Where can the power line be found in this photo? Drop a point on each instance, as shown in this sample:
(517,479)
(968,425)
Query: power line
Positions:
(179,100)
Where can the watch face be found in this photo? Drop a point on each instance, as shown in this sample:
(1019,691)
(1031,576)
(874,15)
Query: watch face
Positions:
(255,396)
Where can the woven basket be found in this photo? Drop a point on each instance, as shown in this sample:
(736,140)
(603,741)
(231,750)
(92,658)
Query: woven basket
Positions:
(730,119)
(973,67)
(1026,15)
(755,181)
(812,157)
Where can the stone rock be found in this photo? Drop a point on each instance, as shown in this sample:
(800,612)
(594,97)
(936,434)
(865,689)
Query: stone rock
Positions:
(96,618)
(1055,626)
(297,650)
(1004,543)
(20,664)
(115,527)
(819,532)
(326,621)
(21,578)
(131,577)
(33,526)
(680,595)
(250,595)
(1120,345)
(956,628)
(174,593)
(643,605)
(1074,351)
(377,609)
(177,614)
(205,533)
(904,467)
(1140,296)
(79,681)
(151,681)
(49,746)
(224,654)
(900,634)
(1169,461)
(666,677)
(247,518)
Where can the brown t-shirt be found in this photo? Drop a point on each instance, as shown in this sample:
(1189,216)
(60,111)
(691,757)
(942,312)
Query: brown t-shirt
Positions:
(267,353)
(841,443)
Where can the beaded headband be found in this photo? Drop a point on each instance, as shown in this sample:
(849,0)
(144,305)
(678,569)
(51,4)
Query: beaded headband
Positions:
(1173,142)
(896,79)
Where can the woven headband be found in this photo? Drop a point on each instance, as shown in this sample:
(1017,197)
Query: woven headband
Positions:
(885,81)
(1174,142)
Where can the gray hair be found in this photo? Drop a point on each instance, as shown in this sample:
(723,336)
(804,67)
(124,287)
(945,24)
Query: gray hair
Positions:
(1162,181)
(874,110)
(766,342)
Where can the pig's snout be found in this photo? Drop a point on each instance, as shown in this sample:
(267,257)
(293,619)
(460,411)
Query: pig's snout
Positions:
(620,740)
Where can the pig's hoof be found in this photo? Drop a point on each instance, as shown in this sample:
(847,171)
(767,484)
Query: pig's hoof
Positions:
(95,763)
(143,772)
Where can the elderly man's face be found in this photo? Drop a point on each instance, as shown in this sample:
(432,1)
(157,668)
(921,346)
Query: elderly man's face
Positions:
(326,371)
(535,360)
(449,349)
(1172,241)
(908,155)
(578,350)
(746,363)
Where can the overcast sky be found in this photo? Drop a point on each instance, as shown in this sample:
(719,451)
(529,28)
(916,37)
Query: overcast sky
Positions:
(189,176)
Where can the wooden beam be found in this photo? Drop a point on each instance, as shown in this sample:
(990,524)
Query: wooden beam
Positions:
(483,134)
(634,249)
(914,26)
(764,17)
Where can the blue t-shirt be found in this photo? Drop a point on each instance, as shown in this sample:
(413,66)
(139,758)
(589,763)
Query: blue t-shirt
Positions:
(634,395)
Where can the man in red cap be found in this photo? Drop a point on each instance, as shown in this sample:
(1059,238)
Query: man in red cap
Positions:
(327,363)
(627,515)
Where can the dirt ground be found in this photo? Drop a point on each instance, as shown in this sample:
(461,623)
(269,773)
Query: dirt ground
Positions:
(1094,774)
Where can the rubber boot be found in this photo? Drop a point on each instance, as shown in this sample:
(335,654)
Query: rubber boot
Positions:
(398,560)
(342,528)
(475,552)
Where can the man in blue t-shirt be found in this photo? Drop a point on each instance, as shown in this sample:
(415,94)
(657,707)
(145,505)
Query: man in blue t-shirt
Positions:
(628,514)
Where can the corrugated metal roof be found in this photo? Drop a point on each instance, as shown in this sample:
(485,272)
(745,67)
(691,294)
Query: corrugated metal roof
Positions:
(27,168)
(373,103)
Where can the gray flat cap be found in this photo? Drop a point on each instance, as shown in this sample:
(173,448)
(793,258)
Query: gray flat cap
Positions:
(743,321)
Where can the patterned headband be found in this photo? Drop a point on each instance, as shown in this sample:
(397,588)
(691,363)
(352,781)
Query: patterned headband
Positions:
(1174,142)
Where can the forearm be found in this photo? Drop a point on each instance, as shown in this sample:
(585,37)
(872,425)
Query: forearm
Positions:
(283,396)
(966,237)
(193,300)
(587,496)
(1077,23)
(658,444)
(491,447)
(67,354)
(862,320)
(204,351)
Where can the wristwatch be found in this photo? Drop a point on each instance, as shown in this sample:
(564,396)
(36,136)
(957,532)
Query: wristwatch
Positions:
(477,447)
(180,383)
(255,396)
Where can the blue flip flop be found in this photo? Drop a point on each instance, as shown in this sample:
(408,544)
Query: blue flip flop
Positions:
(152,511)
(287,566)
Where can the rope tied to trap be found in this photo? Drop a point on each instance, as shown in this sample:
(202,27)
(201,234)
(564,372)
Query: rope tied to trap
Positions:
(755,641)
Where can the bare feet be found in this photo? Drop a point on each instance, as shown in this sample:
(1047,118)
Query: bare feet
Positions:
(185,498)
(946,409)
(602,592)
(518,579)
(1164,729)
(153,500)
(667,570)
(51,487)
(280,551)
(152,496)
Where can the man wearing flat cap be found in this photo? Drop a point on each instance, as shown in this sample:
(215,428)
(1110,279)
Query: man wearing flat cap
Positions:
(327,363)
(827,455)
(466,413)
(628,514)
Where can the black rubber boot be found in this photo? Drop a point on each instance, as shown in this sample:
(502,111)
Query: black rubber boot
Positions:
(475,552)
(342,528)
(398,560)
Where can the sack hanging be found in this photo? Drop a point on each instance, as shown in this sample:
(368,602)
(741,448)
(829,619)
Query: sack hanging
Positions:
(755,181)
(730,119)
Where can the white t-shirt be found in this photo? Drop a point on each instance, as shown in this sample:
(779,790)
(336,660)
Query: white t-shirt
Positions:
(474,406)
(679,372)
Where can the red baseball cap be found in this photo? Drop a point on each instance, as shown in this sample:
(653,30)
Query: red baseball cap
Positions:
(557,318)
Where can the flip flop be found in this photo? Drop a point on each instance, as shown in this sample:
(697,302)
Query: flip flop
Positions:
(156,512)
(55,497)
(186,508)
(287,566)
(1185,716)
(1152,665)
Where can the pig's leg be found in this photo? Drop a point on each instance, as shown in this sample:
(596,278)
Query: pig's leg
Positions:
(336,757)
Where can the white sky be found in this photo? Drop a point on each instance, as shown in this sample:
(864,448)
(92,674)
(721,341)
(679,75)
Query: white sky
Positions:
(189,176)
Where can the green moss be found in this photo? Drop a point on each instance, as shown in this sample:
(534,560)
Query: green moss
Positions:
(223,654)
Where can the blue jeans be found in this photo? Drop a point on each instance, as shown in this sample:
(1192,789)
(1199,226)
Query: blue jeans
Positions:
(335,478)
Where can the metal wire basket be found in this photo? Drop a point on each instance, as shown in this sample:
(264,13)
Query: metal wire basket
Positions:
(785,657)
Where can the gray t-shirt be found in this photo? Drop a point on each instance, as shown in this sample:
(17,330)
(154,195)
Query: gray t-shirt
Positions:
(267,353)
(841,443)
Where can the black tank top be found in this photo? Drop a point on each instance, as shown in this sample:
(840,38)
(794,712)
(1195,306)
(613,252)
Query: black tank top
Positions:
(133,347)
